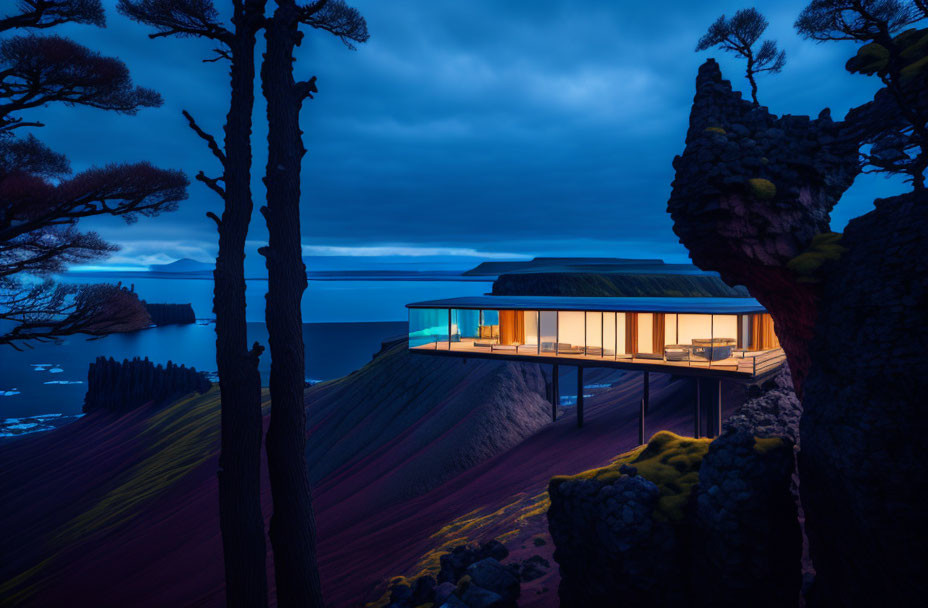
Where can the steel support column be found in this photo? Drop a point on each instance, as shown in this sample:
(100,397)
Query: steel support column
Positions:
(643,409)
(579,397)
(555,392)
(697,414)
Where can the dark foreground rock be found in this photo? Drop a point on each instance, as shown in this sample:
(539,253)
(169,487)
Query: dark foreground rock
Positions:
(864,416)
(660,526)
(120,387)
(470,576)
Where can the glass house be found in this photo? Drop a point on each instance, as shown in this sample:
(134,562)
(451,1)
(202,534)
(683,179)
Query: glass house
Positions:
(725,336)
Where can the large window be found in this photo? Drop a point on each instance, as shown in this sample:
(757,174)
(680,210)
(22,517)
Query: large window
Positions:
(465,325)
(694,327)
(530,322)
(427,326)
(488,329)
(609,334)
(594,334)
(725,329)
(571,332)
(645,333)
(548,321)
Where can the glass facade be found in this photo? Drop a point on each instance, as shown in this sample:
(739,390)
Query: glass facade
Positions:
(427,327)
(716,340)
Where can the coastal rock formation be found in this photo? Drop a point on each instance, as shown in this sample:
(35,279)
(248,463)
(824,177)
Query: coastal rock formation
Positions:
(120,387)
(862,464)
(751,192)
(751,200)
(171,314)
(661,524)
(589,284)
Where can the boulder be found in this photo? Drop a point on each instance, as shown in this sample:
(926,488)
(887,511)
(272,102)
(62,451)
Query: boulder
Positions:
(490,574)
(478,597)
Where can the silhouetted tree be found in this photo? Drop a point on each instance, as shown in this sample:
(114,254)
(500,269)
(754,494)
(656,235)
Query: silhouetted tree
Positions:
(894,125)
(292,529)
(41,202)
(240,517)
(739,35)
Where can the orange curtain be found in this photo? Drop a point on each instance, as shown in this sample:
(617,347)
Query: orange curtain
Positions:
(763,335)
(657,334)
(631,332)
(511,327)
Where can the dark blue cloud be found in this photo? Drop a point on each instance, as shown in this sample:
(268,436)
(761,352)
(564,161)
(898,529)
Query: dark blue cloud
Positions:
(543,127)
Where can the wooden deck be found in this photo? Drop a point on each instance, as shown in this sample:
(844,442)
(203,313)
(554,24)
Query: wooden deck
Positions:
(742,364)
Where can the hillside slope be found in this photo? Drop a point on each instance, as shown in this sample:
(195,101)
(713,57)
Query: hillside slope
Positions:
(123,511)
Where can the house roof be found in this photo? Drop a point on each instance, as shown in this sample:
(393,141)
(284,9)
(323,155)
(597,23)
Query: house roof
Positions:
(729,306)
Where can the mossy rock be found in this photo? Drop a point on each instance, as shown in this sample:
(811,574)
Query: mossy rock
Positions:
(870,59)
(718,130)
(914,44)
(824,247)
(669,461)
(761,188)
(913,70)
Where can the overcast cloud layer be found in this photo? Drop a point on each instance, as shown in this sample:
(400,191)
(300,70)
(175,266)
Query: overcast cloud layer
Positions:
(468,128)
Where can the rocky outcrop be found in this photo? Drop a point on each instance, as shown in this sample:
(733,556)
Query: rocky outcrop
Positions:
(587,284)
(864,418)
(470,577)
(662,525)
(772,410)
(751,200)
(120,387)
(747,544)
(751,192)
(171,314)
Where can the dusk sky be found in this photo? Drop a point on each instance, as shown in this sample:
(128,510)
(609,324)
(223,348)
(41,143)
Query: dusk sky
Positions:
(483,129)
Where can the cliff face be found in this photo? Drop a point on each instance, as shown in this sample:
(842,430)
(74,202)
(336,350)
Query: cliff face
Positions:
(120,387)
(862,467)
(582,284)
(751,200)
(751,191)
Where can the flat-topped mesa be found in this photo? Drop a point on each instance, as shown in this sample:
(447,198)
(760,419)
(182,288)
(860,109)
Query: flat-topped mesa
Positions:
(751,191)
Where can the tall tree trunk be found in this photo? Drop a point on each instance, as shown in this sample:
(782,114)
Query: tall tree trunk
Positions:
(240,517)
(293,529)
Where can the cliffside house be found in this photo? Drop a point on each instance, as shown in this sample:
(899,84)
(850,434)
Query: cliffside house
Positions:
(710,339)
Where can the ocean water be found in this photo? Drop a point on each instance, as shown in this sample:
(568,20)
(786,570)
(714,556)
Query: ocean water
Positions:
(346,321)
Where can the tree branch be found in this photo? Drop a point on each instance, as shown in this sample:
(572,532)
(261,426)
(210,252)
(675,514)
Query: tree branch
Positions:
(212,183)
(209,139)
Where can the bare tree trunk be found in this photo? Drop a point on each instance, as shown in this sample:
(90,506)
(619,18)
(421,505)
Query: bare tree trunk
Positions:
(292,530)
(240,517)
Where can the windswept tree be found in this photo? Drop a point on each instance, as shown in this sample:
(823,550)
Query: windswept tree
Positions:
(894,126)
(240,517)
(292,529)
(41,202)
(740,35)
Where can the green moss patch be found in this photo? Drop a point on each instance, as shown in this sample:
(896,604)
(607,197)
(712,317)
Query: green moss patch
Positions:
(761,188)
(718,130)
(824,247)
